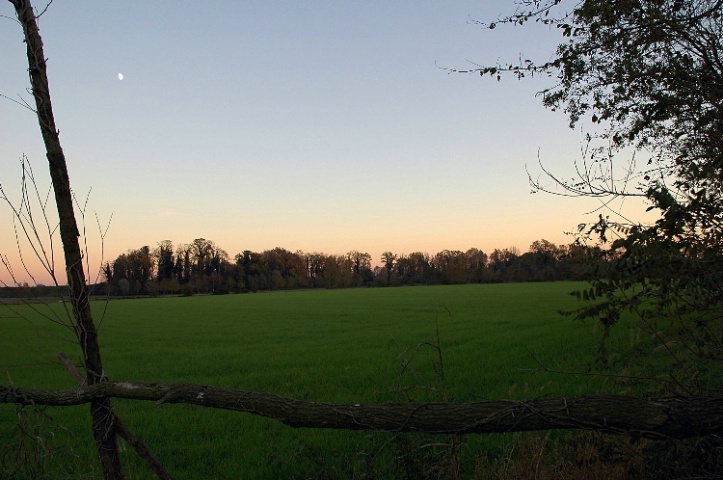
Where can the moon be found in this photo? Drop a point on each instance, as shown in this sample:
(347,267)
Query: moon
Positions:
(120,76)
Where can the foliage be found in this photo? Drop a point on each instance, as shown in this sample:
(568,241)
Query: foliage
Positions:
(649,76)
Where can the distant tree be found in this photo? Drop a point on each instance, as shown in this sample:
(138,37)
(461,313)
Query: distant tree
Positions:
(451,266)
(255,270)
(579,261)
(546,250)
(501,263)
(388,258)
(217,268)
(316,265)
(476,264)
(135,266)
(119,272)
(414,269)
(235,272)
(201,250)
(291,266)
(544,257)
(108,273)
(332,273)
(166,262)
(140,268)
(346,271)
(184,264)
(299,271)
(402,268)
(361,263)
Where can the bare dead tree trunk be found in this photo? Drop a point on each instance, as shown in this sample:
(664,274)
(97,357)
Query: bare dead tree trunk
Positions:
(653,418)
(102,414)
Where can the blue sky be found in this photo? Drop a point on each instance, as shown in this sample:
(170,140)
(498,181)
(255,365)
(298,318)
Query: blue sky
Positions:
(316,126)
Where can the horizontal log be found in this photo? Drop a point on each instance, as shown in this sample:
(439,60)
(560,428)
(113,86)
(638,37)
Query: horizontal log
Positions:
(661,417)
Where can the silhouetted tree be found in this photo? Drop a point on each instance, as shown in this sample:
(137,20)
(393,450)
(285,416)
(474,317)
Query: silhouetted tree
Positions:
(389,258)
(649,75)
(166,262)
(476,264)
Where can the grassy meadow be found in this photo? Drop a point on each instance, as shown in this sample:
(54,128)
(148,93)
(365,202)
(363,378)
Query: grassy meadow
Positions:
(351,346)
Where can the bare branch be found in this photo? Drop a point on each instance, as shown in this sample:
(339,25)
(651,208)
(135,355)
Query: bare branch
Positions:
(38,15)
(20,102)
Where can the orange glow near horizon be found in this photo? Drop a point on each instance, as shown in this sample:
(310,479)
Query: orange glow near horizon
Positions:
(368,145)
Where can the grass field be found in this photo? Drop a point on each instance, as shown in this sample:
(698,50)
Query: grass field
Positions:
(357,346)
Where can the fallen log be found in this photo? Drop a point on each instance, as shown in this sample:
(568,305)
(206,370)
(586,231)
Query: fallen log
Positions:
(677,417)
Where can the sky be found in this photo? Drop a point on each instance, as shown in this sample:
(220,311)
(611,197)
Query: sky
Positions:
(321,126)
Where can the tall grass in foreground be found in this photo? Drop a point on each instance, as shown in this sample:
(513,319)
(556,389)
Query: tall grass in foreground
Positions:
(453,343)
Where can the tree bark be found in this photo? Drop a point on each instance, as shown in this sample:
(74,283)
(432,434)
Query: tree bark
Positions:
(100,407)
(121,427)
(652,418)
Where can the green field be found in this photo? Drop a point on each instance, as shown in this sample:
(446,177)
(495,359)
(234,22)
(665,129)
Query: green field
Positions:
(351,346)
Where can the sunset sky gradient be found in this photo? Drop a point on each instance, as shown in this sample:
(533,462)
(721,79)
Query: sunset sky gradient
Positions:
(322,126)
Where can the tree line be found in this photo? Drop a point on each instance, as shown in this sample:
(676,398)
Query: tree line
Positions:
(201,266)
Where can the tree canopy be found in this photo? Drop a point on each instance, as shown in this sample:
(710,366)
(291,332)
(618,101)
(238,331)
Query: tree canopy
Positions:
(648,76)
